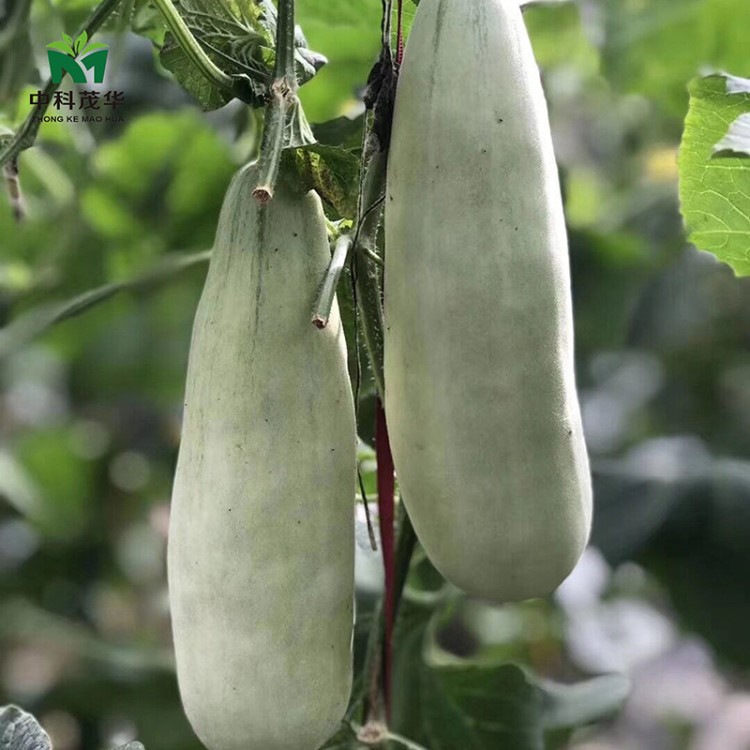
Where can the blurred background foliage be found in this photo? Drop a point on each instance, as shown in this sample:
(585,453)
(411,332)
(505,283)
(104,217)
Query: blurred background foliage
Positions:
(90,411)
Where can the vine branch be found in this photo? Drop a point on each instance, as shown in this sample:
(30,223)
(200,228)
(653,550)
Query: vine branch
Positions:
(15,193)
(282,102)
(35,322)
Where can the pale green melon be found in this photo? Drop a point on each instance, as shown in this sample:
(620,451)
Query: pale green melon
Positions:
(261,531)
(480,386)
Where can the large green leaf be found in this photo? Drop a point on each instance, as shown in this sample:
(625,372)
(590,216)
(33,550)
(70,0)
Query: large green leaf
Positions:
(482,708)
(239,37)
(737,139)
(715,186)
(442,701)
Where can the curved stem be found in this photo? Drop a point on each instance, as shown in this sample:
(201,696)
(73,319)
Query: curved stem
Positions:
(26,134)
(190,46)
(35,322)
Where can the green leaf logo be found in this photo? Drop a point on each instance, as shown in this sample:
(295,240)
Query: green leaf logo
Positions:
(76,57)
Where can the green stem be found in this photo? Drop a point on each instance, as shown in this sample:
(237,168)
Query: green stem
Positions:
(368,274)
(284,66)
(26,134)
(191,48)
(272,144)
(283,97)
(15,194)
(328,290)
(35,322)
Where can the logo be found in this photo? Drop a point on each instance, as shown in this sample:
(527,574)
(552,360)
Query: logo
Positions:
(76,58)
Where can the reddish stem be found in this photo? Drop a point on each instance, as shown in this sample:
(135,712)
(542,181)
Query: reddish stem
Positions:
(400,33)
(386,491)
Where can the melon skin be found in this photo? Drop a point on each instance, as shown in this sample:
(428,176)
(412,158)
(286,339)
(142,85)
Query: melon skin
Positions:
(481,398)
(260,553)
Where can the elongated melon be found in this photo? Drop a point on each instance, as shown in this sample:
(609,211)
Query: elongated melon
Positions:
(480,386)
(261,532)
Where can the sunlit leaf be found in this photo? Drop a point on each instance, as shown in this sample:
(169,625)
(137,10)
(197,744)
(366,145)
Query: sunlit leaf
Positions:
(715,187)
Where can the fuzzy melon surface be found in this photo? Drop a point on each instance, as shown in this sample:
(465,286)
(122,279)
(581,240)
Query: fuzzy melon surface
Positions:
(260,548)
(481,396)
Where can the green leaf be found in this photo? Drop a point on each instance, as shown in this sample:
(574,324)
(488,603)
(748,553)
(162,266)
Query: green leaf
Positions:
(655,47)
(92,47)
(80,41)
(443,702)
(240,40)
(61,47)
(482,708)
(342,131)
(334,173)
(715,187)
(209,96)
(570,706)
(21,731)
